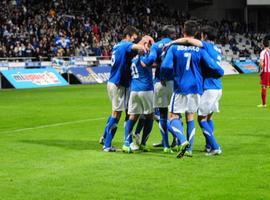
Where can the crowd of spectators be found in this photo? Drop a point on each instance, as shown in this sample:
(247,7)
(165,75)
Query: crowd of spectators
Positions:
(40,28)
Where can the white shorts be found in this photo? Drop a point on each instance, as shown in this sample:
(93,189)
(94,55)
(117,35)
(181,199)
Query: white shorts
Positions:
(119,96)
(162,95)
(184,103)
(209,102)
(140,103)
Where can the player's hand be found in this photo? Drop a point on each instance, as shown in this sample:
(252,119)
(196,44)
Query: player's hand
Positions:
(147,42)
(148,39)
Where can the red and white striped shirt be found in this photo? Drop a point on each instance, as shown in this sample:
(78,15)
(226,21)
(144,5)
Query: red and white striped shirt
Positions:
(265,58)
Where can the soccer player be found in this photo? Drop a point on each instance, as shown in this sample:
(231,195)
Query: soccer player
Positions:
(162,92)
(264,72)
(140,102)
(188,84)
(212,87)
(119,81)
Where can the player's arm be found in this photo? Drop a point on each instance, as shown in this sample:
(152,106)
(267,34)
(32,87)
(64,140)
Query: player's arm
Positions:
(261,62)
(139,48)
(167,64)
(211,64)
(151,57)
(261,65)
(144,44)
(185,41)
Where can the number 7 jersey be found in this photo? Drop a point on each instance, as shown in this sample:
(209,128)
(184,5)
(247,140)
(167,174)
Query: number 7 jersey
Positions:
(141,77)
(186,62)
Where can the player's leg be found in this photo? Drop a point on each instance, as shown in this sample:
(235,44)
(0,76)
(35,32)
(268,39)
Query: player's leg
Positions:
(210,121)
(148,111)
(205,107)
(263,96)
(128,130)
(265,81)
(157,118)
(126,119)
(209,104)
(163,126)
(190,132)
(191,106)
(178,131)
(117,96)
(148,125)
(140,125)
(174,141)
(212,126)
(207,144)
(111,130)
(177,106)
(134,111)
(215,147)
(102,138)
(162,98)
(209,134)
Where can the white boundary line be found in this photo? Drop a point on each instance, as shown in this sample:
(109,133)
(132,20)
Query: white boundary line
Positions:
(52,125)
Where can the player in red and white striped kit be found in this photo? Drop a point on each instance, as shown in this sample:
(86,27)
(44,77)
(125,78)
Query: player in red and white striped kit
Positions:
(264,72)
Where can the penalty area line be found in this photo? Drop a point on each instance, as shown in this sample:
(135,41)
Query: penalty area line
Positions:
(52,125)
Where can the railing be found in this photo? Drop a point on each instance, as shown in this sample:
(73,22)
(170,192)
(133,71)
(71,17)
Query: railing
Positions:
(49,58)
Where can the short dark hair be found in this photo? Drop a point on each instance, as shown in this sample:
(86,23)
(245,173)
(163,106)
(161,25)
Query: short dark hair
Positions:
(168,31)
(190,27)
(130,30)
(210,32)
(266,42)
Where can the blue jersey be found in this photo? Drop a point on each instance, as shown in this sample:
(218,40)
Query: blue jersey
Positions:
(156,55)
(210,82)
(142,77)
(186,63)
(121,59)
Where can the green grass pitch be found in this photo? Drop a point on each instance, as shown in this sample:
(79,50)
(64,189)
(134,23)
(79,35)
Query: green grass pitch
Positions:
(49,150)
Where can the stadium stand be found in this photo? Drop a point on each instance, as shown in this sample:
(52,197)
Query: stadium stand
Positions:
(31,28)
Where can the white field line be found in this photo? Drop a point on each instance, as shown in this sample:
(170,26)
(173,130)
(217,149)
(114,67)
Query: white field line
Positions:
(52,125)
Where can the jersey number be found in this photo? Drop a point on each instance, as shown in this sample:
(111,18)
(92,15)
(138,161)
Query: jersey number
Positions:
(188,56)
(134,71)
(113,59)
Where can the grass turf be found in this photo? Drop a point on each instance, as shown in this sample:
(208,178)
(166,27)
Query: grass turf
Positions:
(49,150)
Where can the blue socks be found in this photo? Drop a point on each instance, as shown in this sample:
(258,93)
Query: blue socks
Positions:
(110,130)
(128,128)
(164,132)
(208,133)
(148,125)
(177,129)
(169,127)
(211,124)
(190,134)
(105,130)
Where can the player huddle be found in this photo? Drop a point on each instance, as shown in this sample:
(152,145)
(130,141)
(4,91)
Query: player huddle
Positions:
(187,81)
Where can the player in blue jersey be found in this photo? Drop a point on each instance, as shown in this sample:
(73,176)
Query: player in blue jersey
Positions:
(212,87)
(162,92)
(212,91)
(188,84)
(119,81)
(140,102)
